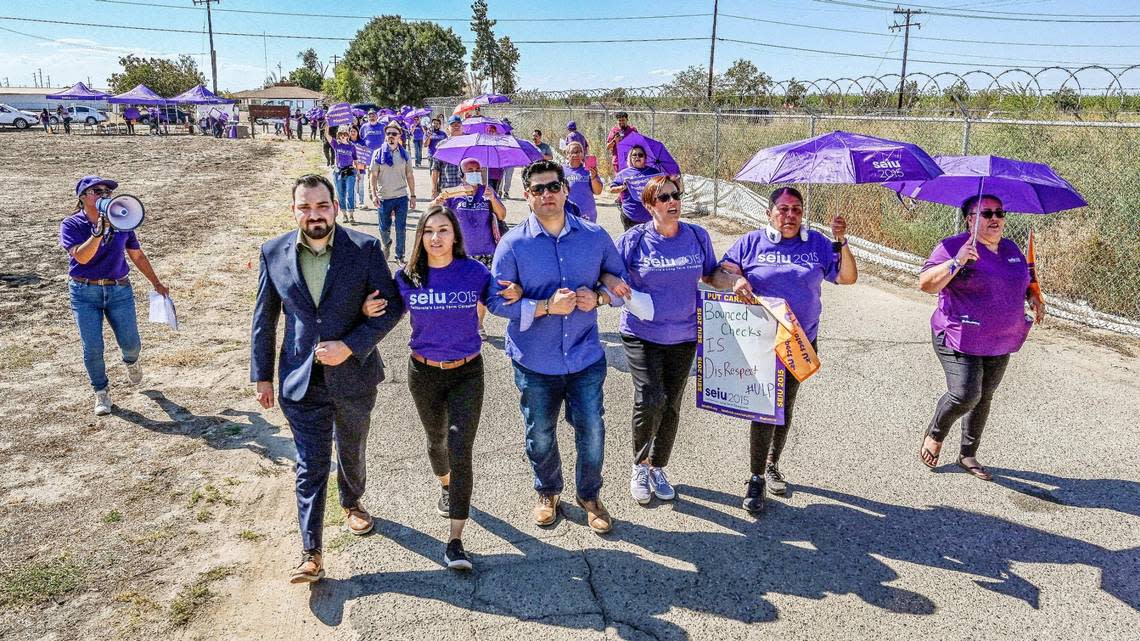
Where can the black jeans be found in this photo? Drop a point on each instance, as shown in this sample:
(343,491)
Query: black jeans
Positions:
(627,222)
(449,402)
(660,374)
(765,441)
(970,385)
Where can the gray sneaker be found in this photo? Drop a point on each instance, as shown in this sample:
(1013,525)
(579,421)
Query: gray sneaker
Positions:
(134,373)
(639,484)
(103,402)
(776,483)
(659,483)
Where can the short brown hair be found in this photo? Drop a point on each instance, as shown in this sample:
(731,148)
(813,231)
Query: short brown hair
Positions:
(649,194)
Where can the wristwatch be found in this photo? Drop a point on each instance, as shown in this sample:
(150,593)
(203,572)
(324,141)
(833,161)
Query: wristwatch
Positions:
(837,246)
(954,265)
(598,301)
(546,306)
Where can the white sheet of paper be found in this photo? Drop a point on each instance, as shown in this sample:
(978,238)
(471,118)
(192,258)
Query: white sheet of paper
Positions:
(640,305)
(162,310)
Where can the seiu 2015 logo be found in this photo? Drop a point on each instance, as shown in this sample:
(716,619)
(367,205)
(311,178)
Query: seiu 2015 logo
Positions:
(886,164)
(431,297)
(775,258)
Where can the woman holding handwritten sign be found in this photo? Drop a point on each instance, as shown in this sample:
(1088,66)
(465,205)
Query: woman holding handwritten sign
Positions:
(664,258)
(784,260)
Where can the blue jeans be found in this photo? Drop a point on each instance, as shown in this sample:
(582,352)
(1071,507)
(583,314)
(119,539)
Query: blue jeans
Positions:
(419,145)
(346,190)
(90,303)
(398,207)
(542,396)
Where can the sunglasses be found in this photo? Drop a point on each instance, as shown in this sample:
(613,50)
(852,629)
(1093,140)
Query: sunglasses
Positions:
(392,134)
(637,155)
(553,187)
(99,191)
(664,198)
(990,213)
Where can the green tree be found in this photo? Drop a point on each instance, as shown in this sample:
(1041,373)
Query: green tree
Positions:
(344,86)
(484,57)
(506,62)
(166,77)
(310,60)
(1066,99)
(306,78)
(692,82)
(402,63)
(745,80)
(794,96)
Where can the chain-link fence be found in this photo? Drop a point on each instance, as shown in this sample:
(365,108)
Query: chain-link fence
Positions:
(1088,259)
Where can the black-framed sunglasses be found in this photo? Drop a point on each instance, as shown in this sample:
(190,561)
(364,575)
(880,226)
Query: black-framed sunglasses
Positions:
(990,213)
(538,189)
(101,191)
(664,198)
(392,134)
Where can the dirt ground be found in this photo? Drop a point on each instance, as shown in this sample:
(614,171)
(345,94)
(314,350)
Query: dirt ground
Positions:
(130,525)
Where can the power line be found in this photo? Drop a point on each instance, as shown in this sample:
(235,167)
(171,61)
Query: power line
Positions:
(369,17)
(115,50)
(1019,17)
(1016,13)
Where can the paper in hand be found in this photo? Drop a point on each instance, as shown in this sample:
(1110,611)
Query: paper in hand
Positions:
(640,305)
(162,310)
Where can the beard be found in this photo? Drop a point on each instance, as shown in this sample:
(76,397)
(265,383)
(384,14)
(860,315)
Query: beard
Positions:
(317,229)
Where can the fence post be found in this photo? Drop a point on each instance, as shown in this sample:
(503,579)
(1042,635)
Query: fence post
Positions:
(716,161)
(652,122)
(807,199)
(966,122)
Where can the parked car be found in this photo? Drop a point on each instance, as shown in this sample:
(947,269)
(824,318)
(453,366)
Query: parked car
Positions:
(81,114)
(170,115)
(12,117)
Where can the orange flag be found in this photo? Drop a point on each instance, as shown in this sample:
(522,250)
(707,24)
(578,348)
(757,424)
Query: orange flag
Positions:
(1031,258)
(792,346)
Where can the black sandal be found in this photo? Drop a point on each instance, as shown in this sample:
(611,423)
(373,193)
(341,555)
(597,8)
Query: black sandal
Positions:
(976,470)
(923,453)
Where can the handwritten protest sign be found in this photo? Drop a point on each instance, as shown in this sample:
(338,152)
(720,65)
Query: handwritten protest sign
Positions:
(340,115)
(738,371)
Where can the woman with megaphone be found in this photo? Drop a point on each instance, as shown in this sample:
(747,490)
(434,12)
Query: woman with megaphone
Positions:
(98,282)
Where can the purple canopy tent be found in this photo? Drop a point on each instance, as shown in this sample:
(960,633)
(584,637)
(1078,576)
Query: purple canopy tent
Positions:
(140,95)
(79,91)
(199,95)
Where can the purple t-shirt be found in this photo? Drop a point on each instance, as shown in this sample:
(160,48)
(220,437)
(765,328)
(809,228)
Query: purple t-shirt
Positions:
(475,220)
(577,137)
(445,323)
(433,140)
(371,135)
(982,311)
(634,180)
(581,193)
(668,270)
(418,133)
(345,153)
(110,260)
(791,269)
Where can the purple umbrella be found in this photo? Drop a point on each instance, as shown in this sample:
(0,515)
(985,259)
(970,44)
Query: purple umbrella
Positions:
(491,151)
(480,125)
(839,157)
(656,153)
(360,113)
(490,99)
(420,113)
(1023,187)
(386,112)
(140,95)
(79,91)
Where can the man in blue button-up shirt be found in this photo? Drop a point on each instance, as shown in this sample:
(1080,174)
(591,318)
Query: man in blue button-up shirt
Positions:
(552,338)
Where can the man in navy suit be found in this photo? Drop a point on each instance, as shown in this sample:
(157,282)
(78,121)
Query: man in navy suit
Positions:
(320,277)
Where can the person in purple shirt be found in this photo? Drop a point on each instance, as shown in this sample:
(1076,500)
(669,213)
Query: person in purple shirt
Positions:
(664,258)
(418,142)
(99,287)
(980,320)
(441,288)
(784,260)
(560,263)
(344,171)
(584,182)
(573,135)
(434,136)
(628,184)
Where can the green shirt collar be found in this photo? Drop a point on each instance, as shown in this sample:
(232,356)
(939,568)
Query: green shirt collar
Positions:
(302,241)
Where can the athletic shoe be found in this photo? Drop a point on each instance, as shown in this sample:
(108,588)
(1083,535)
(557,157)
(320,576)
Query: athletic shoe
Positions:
(639,484)
(659,483)
(455,558)
(776,483)
(443,506)
(134,373)
(103,402)
(754,495)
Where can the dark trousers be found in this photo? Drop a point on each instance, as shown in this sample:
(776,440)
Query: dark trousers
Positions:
(660,374)
(67,125)
(627,222)
(449,403)
(316,420)
(329,156)
(970,385)
(765,441)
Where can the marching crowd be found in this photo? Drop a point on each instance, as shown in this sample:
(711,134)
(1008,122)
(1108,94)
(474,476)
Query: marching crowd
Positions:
(548,276)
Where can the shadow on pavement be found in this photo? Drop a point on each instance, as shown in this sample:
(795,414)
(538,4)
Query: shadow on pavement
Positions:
(1110,494)
(812,552)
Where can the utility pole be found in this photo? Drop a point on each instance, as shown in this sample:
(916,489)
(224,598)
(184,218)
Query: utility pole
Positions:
(213,54)
(335,58)
(906,43)
(712,51)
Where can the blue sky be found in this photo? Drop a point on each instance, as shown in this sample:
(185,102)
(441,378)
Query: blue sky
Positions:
(70,53)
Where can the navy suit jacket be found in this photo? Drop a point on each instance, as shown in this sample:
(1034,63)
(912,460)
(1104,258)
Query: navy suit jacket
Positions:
(357,268)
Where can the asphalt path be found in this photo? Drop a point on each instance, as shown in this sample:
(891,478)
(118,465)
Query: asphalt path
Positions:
(868,543)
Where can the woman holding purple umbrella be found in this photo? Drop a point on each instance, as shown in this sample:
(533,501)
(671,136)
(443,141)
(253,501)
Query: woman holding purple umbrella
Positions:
(982,282)
(628,184)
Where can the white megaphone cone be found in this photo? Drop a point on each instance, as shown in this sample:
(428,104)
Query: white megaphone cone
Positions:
(123,212)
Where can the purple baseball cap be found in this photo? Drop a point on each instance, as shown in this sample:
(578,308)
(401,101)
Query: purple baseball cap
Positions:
(87,182)
(572,126)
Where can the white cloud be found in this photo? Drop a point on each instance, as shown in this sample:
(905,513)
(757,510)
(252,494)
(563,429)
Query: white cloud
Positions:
(663,72)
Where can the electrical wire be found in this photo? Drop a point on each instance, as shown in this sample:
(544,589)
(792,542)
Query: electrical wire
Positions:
(935,11)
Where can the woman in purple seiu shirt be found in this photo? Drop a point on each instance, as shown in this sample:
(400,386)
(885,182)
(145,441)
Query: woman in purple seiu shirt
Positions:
(344,171)
(785,260)
(982,284)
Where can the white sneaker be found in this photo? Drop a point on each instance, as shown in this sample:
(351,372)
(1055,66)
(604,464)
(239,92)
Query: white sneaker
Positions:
(103,402)
(639,484)
(659,482)
(134,373)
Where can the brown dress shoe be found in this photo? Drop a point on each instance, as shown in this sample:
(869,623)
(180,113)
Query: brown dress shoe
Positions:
(358,520)
(546,510)
(310,570)
(597,516)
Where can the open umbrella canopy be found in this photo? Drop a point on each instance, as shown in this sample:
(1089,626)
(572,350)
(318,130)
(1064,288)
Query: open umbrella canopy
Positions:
(199,95)
(492,152)
(140,95)
(1023,187)
(656,153)
(79,91)
(490,99)
(840,157)
(480,125)
(419,113)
